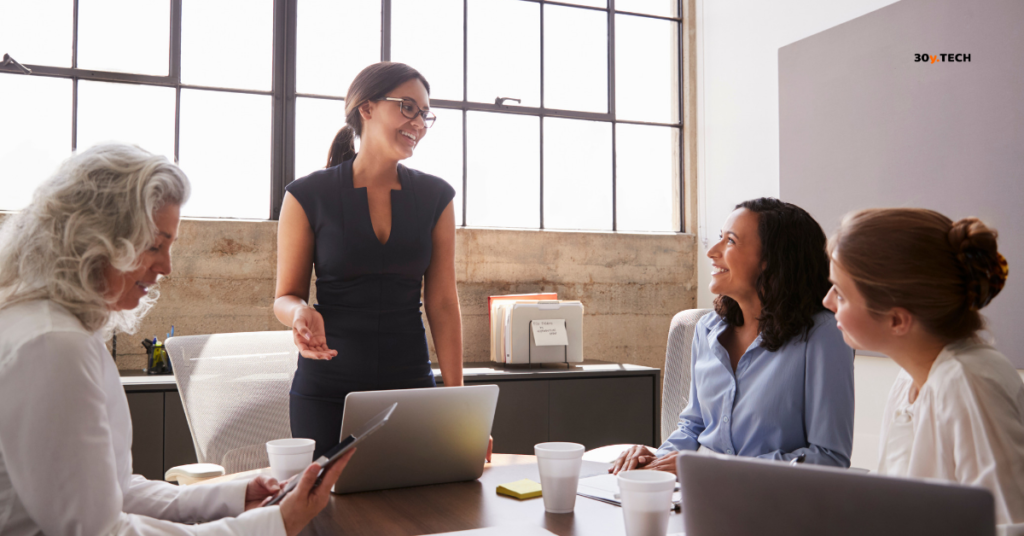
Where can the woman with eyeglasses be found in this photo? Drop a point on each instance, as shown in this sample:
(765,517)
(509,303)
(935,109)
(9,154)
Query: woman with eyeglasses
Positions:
(376,232)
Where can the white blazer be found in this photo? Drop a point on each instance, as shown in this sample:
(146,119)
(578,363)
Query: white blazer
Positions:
(966,426)
(65,444)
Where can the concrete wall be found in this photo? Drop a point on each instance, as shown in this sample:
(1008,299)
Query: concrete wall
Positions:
(630,285)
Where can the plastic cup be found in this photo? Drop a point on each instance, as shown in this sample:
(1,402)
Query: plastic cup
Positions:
(646,499)
(289,457)
(559,465)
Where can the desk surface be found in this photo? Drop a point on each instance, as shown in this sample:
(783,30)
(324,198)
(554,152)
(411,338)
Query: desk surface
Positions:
(465,506)
(136,380)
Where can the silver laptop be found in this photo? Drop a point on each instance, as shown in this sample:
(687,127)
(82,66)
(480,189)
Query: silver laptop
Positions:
(435,435)
(731,496)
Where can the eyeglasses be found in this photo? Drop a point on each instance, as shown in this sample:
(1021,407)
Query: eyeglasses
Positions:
(410,110)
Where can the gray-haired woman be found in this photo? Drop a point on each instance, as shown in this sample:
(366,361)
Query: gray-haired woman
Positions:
(82,259)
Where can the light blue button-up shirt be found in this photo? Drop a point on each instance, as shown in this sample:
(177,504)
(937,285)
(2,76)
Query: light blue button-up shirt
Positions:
(776,405)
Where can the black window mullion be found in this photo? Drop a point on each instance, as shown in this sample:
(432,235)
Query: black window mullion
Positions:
(74,114)
(385,30)
(74,81)
(541,164)
(465,99)
(541,121)
(682,115)
(611,106)
(282,157)
(174,61)
(174,71)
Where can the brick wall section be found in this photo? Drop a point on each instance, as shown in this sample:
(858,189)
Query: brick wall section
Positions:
(630,284)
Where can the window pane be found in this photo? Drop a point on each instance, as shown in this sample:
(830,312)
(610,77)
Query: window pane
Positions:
(440,23)
(240,58)
(662,8)
(575,59)
(37,32)
(142,115)
(504,51)
(577,174)
(646,179)
(35,135)
(440,153)
(646,69)
(224,147)
(129,36)
(335,40)
(503,170)
(316,123)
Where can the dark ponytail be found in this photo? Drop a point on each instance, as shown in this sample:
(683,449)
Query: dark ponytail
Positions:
(343,147)
(372,83)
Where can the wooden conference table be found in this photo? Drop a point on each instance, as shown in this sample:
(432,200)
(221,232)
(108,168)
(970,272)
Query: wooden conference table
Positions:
(467,505)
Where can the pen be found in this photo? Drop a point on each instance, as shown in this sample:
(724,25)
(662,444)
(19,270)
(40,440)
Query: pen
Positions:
(799,459)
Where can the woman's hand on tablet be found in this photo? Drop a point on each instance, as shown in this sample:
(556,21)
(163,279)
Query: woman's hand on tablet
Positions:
(260,490)
(304,502)
(309,334)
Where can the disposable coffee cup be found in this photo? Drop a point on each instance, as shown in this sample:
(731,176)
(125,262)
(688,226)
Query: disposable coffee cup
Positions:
(559,465)
(289,457)
(646,499)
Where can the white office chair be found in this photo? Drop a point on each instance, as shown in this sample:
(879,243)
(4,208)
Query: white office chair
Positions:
(234,389)
(675,388)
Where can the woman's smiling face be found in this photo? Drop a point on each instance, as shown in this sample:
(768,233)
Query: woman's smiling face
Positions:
(388,129)
(736,257)
(126,289)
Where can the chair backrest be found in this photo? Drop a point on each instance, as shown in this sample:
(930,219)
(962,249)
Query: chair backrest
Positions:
(234,388)
(675,389)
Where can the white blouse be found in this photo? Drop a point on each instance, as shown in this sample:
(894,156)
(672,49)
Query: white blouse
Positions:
(65,444)
(966,426)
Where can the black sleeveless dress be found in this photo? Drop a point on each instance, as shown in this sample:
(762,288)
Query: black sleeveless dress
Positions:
(367,292)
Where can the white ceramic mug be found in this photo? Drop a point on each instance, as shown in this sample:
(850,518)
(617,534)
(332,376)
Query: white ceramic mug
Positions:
(646,499)
(289,457)
(559,466)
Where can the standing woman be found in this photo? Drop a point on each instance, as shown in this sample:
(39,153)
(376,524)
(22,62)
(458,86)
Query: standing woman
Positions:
(910,283)
(376,232)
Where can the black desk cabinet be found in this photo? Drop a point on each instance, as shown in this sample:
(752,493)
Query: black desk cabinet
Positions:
(592,403)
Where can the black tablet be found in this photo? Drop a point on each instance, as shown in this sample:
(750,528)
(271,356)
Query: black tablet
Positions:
(327,460)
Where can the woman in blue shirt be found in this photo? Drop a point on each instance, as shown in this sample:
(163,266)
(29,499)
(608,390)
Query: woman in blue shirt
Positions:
(771,375)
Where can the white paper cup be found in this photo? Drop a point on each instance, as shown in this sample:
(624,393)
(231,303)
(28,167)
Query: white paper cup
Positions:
(559,466)
(646,499)
(289,457)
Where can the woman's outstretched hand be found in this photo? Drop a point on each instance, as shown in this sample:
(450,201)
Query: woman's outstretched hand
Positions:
(309,334)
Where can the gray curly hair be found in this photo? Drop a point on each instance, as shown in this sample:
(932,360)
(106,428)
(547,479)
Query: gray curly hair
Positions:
(97,210)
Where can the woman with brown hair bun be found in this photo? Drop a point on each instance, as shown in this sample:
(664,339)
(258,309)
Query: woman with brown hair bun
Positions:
(910,283)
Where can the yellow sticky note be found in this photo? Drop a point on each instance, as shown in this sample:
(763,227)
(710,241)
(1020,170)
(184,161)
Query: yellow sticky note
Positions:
(520,489)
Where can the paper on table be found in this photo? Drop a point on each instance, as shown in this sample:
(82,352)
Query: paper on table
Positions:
(605,488)
(522,530)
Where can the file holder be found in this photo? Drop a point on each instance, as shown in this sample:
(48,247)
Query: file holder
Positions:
(548,353)
(523,350)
